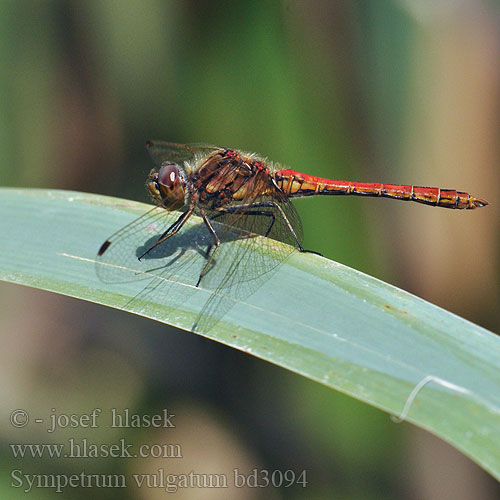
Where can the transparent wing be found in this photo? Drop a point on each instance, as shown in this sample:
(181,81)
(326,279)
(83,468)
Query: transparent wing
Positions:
(237,270)
(276,220)
(118,258)
(168,273)
(242,262)
(162,151)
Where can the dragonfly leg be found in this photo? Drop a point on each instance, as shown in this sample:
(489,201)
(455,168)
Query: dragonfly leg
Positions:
(310,251)
(264,214)
(211,230)
(171,230)
(171,227)
(250,212)
(270,204)
(208,223)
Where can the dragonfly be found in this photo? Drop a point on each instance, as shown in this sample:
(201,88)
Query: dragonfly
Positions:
(240,196)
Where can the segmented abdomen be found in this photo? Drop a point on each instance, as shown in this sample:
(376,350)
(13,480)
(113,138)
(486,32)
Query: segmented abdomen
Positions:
(295,184)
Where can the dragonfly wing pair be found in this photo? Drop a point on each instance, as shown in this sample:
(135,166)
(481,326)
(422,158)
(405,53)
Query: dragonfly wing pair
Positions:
(242,261)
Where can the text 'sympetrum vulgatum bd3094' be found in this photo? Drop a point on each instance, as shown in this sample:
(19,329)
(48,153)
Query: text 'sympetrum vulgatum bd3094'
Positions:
(238,196)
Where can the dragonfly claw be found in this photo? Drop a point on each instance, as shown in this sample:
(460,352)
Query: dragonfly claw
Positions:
(311,251)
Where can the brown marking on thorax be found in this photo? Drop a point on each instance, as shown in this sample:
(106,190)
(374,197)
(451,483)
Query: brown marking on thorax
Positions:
(227,176)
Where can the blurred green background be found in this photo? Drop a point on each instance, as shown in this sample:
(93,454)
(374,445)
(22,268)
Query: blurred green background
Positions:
(394,91)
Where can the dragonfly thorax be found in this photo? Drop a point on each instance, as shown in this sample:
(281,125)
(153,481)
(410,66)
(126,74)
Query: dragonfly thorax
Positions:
(168,186)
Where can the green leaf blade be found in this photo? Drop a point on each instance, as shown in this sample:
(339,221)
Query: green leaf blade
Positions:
(315,317)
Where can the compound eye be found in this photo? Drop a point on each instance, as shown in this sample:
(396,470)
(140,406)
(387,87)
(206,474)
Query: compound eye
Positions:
(168,175)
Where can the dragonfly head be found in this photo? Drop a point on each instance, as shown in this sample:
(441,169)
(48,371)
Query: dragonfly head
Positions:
(168,186)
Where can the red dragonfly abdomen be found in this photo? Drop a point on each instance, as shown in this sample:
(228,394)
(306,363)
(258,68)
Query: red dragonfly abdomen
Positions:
(296,184)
